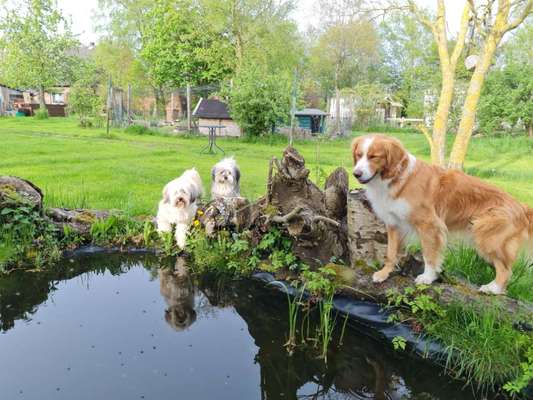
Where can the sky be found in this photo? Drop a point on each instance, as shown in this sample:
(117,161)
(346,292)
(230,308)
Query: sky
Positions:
(306,14)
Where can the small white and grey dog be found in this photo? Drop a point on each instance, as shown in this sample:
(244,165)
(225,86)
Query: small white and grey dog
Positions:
(225,178)
(178,206)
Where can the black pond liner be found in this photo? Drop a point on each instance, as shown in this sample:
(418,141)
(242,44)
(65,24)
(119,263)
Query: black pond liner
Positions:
(372,320)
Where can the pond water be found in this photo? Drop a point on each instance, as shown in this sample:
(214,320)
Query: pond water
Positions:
(108,326)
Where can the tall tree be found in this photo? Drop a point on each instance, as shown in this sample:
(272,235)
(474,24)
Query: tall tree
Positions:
(410,61)
(258,30)
(181,48)
(36,47)
(448,66)
(342,54)
(492,27)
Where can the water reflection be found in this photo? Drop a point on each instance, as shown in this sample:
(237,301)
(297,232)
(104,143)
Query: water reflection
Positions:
(178,291)
(204,310)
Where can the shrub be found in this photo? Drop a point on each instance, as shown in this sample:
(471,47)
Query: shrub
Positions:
(139,130)
(41,113)
(258,100)
(85,103)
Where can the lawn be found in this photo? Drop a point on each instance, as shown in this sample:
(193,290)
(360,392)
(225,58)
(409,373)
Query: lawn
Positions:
(86,168)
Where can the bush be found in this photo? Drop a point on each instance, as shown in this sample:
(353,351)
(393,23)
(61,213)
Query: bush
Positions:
(85,103)
(41,113)
(259,100)
(139,130)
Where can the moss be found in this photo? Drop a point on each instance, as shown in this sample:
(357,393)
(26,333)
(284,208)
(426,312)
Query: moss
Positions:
(85,217)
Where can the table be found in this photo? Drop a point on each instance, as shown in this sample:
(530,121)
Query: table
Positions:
(212,145)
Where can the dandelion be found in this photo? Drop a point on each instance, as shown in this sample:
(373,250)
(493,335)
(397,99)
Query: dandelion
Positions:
(196,222)
(200,213)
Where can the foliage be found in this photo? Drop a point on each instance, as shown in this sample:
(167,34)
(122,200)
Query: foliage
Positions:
(41,113)
(258,100)
(139,130)
(119,230)
(465,263)
(410,59)
(415,301)
(399,343)
(36,45)
(83,99)
(27,238)
(525,377)
(277,249)
(258,32)
(507,98)
(482,344)
(343,53)
(320,282)
(181,48)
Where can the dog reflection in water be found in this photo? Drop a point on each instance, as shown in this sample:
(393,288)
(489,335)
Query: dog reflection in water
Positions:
(178,292)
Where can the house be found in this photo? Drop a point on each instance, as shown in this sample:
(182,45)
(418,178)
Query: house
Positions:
(389,109)
(10,99)
(352,107)
(213,112)
(311,119)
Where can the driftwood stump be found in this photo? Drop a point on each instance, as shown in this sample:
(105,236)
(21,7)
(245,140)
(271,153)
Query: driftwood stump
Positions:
(315,219)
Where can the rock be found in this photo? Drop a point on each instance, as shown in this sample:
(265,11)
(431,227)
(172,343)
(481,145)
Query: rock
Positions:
(79,220)
(21,190)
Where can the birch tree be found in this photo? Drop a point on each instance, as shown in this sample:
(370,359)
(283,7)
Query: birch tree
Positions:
(509,15)
(489,27)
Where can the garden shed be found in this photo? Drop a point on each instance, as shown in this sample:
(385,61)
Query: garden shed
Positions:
(311,119)
(213,112)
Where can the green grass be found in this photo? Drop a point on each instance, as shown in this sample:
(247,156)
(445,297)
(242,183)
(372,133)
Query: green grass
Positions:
(483,347)
(84,167)
(464,262)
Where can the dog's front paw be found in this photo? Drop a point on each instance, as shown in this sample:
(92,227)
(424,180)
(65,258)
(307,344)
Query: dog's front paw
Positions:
(427,278)
(380,276)
(492,288)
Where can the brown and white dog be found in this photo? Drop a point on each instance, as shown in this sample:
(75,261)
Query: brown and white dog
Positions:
(411,196)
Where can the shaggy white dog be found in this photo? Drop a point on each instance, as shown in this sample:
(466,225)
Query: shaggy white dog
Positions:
(225,177)
(178,206)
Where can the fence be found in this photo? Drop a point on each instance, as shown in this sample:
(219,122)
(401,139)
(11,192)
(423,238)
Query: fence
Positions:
(155,107)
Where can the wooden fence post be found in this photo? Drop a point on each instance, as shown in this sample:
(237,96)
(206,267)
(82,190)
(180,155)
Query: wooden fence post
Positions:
(189,120)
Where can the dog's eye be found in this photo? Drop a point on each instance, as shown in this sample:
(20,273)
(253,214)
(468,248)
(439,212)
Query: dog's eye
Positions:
(359,155)
(371,157)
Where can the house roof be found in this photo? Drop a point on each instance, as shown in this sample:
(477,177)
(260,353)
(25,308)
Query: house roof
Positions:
(211,108)
(310,112)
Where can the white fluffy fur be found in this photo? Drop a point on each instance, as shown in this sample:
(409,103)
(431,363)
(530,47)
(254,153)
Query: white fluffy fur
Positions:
(225,177)
(178,206)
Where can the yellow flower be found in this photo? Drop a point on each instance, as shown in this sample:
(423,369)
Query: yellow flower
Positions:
(196,222)
(200,213)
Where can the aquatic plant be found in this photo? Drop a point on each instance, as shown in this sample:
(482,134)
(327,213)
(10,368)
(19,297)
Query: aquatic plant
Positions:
(294,305)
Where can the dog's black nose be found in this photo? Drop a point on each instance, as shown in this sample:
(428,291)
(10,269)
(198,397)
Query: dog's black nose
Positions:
(357,174)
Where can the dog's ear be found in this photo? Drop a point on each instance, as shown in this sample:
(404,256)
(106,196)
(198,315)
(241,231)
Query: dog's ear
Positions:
(395,156)
(355,144)
(213,173)
(166,195)
(237,174)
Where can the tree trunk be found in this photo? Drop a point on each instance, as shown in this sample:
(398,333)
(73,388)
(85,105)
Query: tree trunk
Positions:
(529,128)
(338,111)
(468,117)
(440,126)
(42,104)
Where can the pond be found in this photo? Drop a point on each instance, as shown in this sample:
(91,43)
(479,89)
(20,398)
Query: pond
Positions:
(110,326)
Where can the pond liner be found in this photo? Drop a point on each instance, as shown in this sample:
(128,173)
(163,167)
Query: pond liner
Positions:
(372,317)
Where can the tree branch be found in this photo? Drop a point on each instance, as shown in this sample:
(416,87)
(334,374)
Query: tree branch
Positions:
(528,9)
(282,219)
(326,220)
(460,43)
